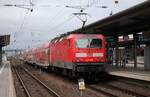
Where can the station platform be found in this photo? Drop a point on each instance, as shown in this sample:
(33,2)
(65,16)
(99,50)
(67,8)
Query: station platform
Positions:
(6,81)
(128,72)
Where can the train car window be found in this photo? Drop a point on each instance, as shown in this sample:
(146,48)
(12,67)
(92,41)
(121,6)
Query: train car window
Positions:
(68,43)
(88,43)
(61,39)
(55,41)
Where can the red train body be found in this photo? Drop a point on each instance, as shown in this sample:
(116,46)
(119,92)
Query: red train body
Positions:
(77,53)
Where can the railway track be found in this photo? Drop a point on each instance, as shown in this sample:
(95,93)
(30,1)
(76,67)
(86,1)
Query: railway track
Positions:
(22,83)
(134,82)
(101,90)
(113,88)
(116,91)
(109,92)
(139,88)
(36,88)
(40,74)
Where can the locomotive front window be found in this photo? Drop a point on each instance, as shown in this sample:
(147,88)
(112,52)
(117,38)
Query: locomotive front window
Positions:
(95,43)
(82,43)
(88,43)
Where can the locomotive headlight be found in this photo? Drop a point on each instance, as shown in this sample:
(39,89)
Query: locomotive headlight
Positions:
(81,55)
(98,54)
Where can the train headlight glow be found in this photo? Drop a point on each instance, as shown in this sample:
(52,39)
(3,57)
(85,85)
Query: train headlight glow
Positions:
(81,55)
(98,54)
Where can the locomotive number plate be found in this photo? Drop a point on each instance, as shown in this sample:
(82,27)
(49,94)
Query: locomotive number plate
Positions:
(89,54)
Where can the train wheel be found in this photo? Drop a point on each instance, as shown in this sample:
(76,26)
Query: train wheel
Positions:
(49,68)
(71,74)
(64,72)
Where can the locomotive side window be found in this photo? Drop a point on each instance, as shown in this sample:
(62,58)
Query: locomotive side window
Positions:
(88,43)
(68,43)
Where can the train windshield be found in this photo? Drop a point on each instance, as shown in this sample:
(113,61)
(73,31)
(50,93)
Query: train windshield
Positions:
(88,43)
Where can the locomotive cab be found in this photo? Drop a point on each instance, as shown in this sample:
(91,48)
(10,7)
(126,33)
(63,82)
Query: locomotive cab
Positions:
(89,55)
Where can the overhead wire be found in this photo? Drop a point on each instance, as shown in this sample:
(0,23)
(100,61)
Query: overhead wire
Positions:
(53,19)
(62,23)
(21,27)
(94,2)
(15,33)
(56,16)
(28,13)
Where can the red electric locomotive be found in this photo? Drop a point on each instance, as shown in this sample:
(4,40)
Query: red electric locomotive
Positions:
(79,53)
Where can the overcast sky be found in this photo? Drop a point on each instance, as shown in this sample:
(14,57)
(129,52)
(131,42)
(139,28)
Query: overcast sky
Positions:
(50,18)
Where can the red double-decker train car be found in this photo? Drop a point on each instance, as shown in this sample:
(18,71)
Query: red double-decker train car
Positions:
(74,54)
(41,56)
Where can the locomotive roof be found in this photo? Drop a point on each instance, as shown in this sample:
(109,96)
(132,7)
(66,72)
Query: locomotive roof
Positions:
(68,35)
(59,37)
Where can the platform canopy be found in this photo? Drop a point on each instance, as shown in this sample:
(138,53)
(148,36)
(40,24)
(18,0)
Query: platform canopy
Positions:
(132,20)
(4,40)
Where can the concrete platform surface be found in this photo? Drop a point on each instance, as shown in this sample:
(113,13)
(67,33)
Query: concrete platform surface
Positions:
(6,81)
(141,75)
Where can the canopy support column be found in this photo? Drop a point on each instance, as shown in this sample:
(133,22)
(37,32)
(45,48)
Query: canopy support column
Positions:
(135,50)
(0,55)
(116,51)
